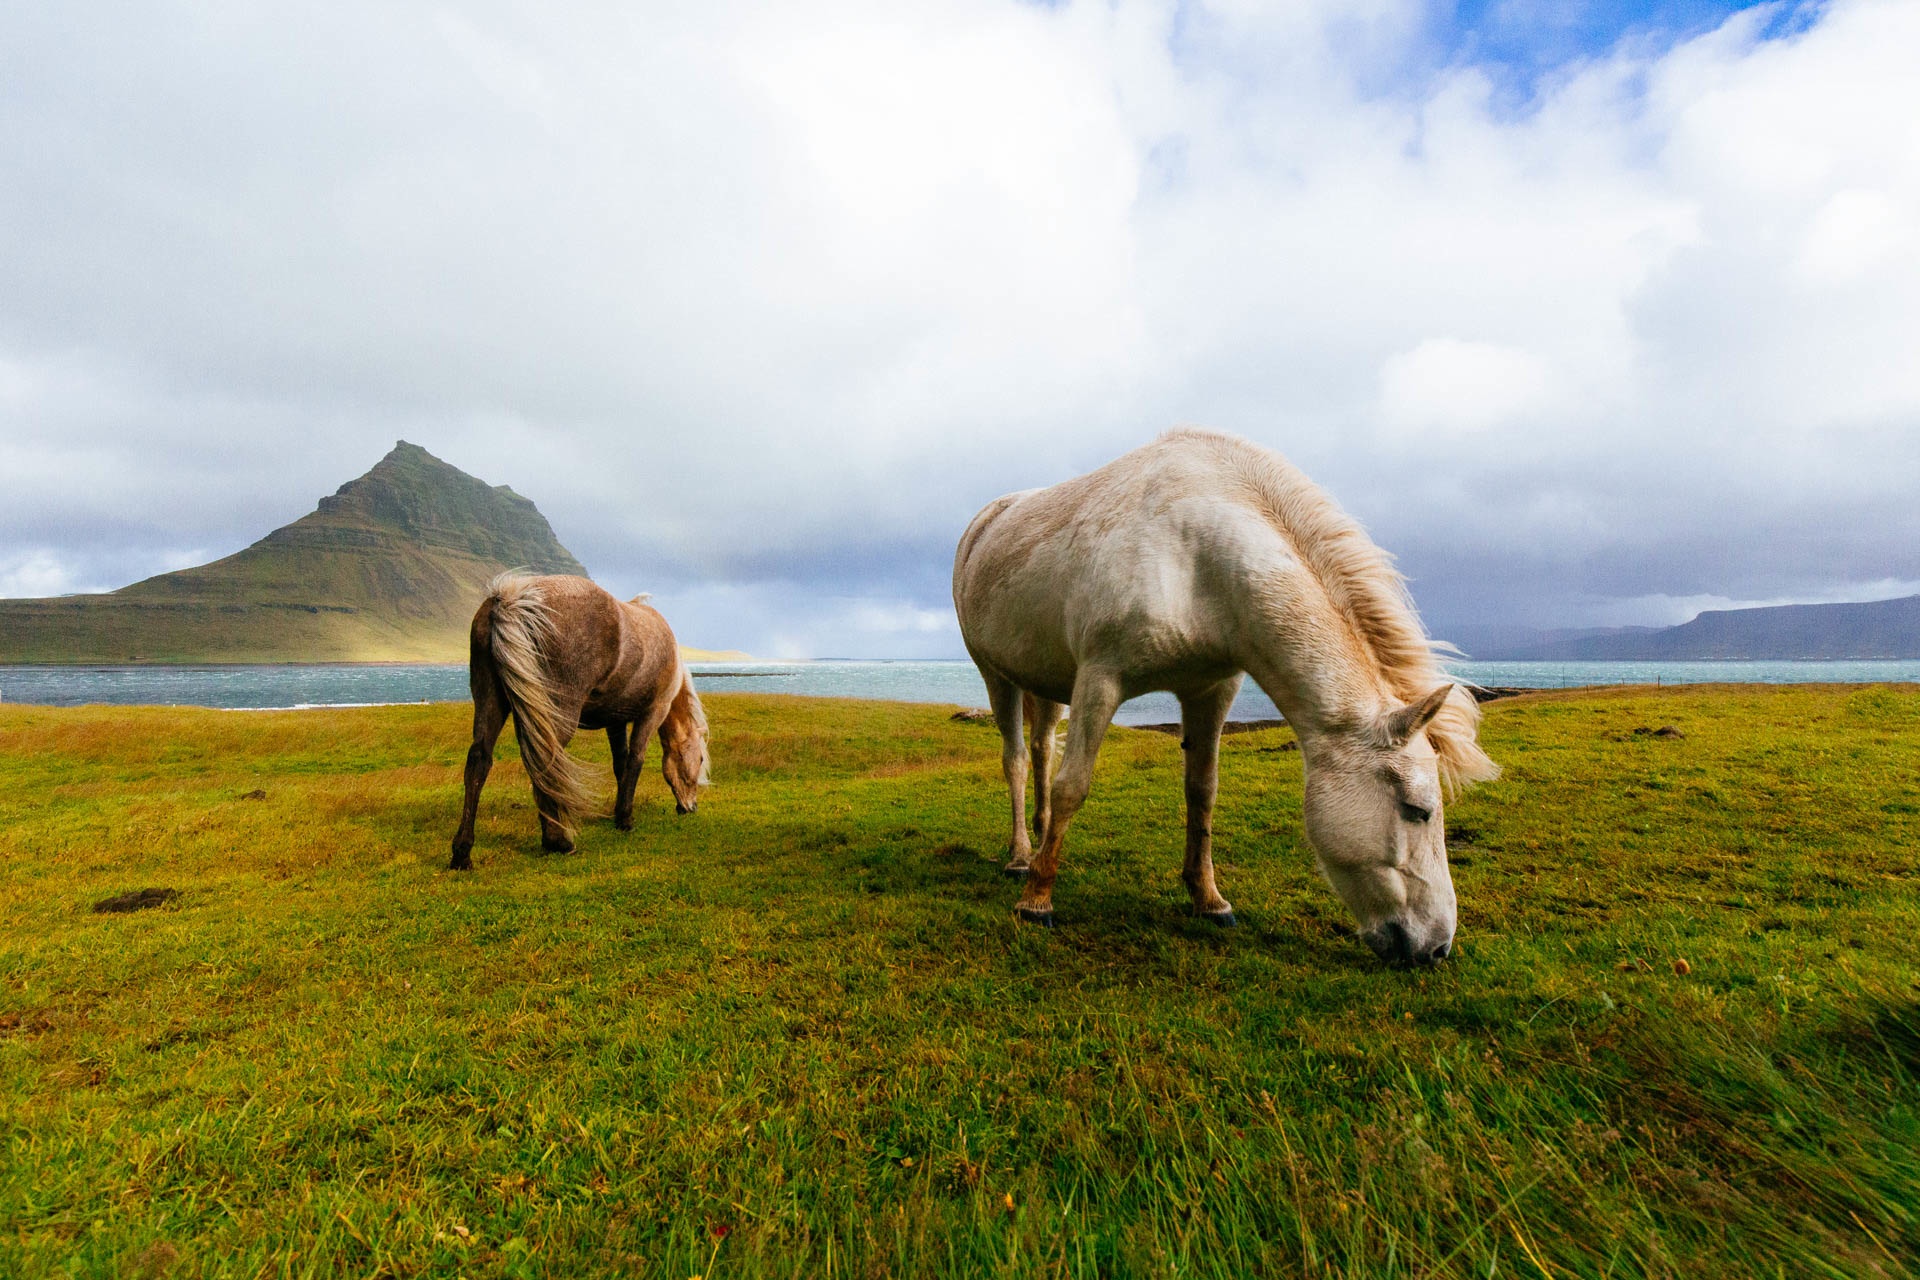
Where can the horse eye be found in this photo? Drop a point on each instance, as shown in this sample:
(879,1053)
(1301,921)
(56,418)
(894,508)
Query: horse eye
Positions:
(1414,813)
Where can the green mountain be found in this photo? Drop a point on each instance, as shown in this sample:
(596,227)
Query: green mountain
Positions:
(388,569)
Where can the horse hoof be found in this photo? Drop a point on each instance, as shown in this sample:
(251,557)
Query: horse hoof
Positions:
(1222,918)
(460,864)
(1017,870)
(1042,918)
(552,846)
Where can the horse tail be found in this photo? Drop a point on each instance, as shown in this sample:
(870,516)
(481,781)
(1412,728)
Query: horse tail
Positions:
(521,631)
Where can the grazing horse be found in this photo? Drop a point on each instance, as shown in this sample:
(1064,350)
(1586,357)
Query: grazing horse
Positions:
(1182,566)
(558,653)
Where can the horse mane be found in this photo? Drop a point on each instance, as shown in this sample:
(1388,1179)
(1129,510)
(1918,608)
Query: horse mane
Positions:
(1367,592)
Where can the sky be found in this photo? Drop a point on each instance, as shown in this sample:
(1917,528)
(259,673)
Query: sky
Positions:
(1593,314)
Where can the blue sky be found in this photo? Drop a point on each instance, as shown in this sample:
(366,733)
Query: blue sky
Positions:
(1594,314)
(1523,41)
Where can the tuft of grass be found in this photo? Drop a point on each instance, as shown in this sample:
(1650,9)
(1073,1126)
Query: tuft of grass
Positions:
(799,1033)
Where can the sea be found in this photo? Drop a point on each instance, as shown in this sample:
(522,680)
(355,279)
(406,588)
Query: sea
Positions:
(259,688)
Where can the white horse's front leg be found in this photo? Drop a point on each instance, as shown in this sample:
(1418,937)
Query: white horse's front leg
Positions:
(1096,696)
(1043,718)
(1004,697)
(1201,718)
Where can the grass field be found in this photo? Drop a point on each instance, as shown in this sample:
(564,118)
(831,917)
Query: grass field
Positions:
(799,1033)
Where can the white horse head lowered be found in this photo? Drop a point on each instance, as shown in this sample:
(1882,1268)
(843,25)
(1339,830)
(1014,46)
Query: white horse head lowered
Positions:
(1181,566)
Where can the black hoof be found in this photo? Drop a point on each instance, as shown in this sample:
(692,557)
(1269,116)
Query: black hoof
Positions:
(1222,918)
(460,863)
(1042,918)
(554,846)
(1017,873)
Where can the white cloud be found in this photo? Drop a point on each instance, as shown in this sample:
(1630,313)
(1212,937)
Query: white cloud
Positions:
(1459,388)
(760,302)
(1854,232)
(36,573)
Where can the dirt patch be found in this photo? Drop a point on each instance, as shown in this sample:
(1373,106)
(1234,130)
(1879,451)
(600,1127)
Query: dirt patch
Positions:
(255,794)
(1664,731)
(138,900)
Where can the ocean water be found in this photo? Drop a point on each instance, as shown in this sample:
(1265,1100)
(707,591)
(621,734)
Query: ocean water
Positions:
(955,683)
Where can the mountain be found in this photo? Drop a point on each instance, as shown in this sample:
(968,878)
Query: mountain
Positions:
(388,569)
(1877,629)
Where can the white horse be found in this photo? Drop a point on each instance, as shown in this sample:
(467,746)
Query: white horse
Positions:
(1181,566)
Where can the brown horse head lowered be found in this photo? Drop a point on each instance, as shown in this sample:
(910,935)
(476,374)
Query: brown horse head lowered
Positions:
(558,654)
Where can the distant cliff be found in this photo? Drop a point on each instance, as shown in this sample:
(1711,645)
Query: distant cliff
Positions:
(1880,629)
(388,569)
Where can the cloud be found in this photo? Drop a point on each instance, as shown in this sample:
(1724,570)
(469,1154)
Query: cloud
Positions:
(1459,388)
(36,573)
(761,302)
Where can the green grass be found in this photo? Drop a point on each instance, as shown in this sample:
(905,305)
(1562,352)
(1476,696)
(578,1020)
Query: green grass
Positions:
(799,1033)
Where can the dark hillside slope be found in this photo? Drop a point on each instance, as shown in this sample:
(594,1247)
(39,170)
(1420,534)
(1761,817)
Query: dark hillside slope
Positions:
(388,569)
(1878,629)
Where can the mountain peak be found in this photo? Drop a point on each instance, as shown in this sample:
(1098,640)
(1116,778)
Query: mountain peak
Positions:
(389,567)
(434,503)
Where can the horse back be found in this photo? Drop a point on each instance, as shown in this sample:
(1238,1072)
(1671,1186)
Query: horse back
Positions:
(1143,564)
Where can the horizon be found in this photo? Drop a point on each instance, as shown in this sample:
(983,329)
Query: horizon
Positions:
(1594,315)
(1496,635)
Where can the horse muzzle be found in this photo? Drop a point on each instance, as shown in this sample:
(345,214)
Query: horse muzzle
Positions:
(1394,943)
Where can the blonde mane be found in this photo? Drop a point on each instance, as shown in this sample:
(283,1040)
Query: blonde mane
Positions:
(1367,592)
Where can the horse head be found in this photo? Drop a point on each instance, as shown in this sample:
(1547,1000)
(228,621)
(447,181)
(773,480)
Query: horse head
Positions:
(1374,819)
(683,735)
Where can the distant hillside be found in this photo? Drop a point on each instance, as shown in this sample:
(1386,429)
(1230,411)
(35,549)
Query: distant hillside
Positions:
(692,654)
(388,569)
(1879,629)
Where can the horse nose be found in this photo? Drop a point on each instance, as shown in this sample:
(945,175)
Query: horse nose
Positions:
(1391,943)
(1394,944)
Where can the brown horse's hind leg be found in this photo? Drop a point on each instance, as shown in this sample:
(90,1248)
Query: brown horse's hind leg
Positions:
(623,794)
(1201,718)
(489,716)
(554,837)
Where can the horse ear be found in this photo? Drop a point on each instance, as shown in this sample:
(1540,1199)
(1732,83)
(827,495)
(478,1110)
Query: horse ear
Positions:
(1412,718)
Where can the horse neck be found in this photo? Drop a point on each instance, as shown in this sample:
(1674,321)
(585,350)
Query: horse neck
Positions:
(1304,656)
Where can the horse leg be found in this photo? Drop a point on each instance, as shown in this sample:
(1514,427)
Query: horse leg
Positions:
(1043,717)
(643,730)
(623,794)
(1201,717)
(1096,696)
(554,837)
(489,717)
(1004,697)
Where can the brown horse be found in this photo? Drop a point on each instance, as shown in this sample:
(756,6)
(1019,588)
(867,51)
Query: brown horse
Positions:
(558,653)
